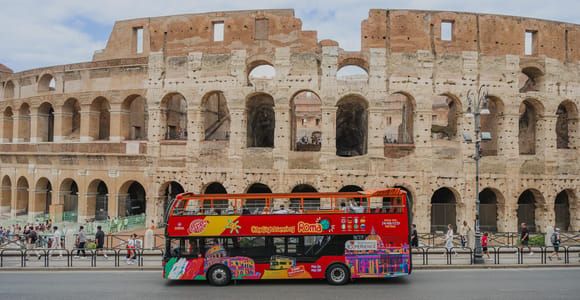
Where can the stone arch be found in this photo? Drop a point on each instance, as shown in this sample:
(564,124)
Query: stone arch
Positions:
(446,116)
(355,61)
(42,196)
(306,121)
(261,121)
(491,210)
(564,209)
(9,89)
(22,196)
(531,209)
(352,73)
(168,191)
(100,119)
(216,188)
(260,70)
(45,122)
(6,200)
(530,79)
(492,123)
(71,119)
(350,188)
(351,126)
(24,123)
(400,118)
(134,118)
(566,125)
(132,199)
(69,197)
(174,116)
(8,125)
(444,209)
(531,111)
(309,203)
(97,200)
(46,83)
(216,116)
(257,205)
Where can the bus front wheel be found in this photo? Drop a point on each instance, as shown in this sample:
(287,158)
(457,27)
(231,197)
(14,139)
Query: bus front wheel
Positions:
(219,275)
(337,274)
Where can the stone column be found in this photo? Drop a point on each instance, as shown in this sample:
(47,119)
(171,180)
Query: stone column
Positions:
(35,131)
(119,128)
(281,135)
(59,118)
(328,129)
(238,133)
(376,128)
(14,199)
(87,134)
(508,137)
(545,135)
(196,133)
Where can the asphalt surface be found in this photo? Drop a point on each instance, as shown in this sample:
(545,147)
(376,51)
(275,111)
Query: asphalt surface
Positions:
(552,283)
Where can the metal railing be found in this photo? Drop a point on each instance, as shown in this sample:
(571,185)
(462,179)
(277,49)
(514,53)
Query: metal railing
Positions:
(496,238)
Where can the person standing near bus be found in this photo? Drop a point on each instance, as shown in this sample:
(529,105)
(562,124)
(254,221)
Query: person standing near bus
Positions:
(414,237)
(449,239)
(100,239)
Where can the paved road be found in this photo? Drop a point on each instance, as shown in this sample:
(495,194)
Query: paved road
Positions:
(552,283)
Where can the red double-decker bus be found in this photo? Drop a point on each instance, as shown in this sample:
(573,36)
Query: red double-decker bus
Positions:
(333,236)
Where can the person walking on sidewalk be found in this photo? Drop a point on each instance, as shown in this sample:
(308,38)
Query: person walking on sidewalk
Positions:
(131,250)
(414,237)
(449,239)
(555,240)
(525,239)
(100,239)
(32,238)
(81,241)
(484,240)
(56,241)
(464,233)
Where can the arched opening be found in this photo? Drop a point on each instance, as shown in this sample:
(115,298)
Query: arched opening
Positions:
(169,191)
(132,199)
(399,119)
(69,197)
(443,210)
(351,126)
(562,210)
(445,117)
(216,117)
(135,118)
(46,122)
(22,196)
(309,203)
(6,200)
(71,120)
(492,123)
(7,125)
(529,116)
(566,125)
(352,73)
(174,109)
(100,119)
(488,210)
(256,206)
(530,204)
(219,206)
(42,196)
(24,123)
(98,200)
(350,188)
(47,83)
(530,79)
(261,121)
(306,121)
(9,90)
(260,71)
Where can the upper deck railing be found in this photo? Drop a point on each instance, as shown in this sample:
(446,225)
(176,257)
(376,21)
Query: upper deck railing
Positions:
(380,201)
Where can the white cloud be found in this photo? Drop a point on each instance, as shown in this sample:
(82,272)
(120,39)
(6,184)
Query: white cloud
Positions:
(35,34)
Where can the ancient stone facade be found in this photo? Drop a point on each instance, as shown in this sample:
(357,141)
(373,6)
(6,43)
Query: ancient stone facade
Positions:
(170,105)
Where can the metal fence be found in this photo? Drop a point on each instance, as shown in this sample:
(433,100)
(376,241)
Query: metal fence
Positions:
(496,238)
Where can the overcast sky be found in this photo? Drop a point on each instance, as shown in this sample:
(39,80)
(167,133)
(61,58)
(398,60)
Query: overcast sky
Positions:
(43,33)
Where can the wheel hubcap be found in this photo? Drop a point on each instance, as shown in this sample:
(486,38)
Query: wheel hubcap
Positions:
(337,275)
(219,275)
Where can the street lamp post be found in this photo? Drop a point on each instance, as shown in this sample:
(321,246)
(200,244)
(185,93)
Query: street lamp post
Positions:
(477,106)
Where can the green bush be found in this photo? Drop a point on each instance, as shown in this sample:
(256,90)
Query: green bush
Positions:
(537,240)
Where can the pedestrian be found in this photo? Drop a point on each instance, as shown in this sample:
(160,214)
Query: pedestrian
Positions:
(555,240)
(131,249)
(32,238)
(414,237)
(525,238)
(449,239)
(100,239)
(81,241)
(484,241)
(464,233)
(56,241)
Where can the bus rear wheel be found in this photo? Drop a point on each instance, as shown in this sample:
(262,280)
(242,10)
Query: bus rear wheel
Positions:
(337,274)
(219,275)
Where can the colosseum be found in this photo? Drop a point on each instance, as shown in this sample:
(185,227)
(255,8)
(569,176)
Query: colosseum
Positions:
(248,101)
